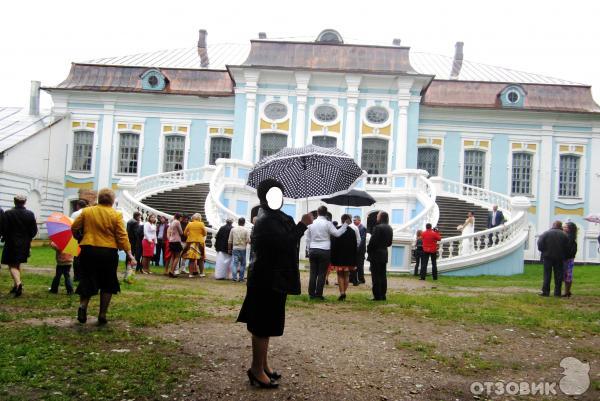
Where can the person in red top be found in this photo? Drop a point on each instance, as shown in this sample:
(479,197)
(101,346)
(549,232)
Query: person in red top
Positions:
(430,240)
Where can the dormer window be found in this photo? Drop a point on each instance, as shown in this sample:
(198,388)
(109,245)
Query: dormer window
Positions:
(513,96)
(330,36)
(153,80)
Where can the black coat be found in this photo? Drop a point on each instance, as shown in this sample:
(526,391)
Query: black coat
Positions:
(343,249)
(132,226)
(553,244)
(18,229)
(380,241)
(222,238)
(571,246)
(275,240)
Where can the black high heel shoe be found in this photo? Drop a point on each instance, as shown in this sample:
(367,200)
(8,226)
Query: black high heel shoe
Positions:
(255,382)
(273,375)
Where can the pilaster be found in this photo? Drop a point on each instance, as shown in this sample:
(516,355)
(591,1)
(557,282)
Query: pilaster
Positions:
(353,82)
(302,79)
(251,88)
(106,145)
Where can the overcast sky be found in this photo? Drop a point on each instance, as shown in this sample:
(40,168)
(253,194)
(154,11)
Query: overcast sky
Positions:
(39,39)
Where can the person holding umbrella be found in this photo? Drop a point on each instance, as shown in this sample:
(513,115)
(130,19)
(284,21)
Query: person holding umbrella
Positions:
(273,274)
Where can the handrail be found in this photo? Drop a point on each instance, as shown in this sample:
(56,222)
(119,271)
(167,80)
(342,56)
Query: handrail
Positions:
(430,212)
(473,193)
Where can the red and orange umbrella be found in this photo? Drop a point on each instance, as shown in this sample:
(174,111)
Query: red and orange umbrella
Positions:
(59,231)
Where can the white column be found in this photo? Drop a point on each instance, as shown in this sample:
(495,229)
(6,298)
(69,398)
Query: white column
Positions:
(302,79)
(250,125)
(353,82)
(106,145)
(402,137)
(545,174)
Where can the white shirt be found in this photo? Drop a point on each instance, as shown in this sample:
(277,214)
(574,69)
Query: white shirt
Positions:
(150,231)
(319,232)
(76,214)
(352,226)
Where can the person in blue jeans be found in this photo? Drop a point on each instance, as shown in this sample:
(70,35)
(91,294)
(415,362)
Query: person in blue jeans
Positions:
(239,238)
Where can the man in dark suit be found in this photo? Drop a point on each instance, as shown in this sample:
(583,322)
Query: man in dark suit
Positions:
(553,244)
(380,241)
(358,276)
(132,233)
(495,218)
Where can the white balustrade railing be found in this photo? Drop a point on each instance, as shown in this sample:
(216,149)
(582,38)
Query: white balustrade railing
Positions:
(228,173)
(480,196)
(146,186)
(425,192)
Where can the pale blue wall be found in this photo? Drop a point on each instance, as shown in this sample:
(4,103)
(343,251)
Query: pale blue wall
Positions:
(151,152)
(499,153)
(239,121)
(506,266)
(452,146)
(197,144)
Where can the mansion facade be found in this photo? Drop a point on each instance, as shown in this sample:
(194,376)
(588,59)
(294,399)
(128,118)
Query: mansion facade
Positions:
(507,131)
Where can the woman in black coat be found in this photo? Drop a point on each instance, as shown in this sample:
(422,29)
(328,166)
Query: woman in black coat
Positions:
(18,229)
(273,274)
(344,253)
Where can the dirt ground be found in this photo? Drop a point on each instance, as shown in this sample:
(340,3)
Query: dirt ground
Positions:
(331,352)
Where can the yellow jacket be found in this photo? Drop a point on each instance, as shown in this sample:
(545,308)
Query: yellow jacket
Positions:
(102,226)
(195,232)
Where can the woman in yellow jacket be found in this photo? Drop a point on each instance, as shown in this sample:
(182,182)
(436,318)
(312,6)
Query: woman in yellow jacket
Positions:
(195,233)
(103,235)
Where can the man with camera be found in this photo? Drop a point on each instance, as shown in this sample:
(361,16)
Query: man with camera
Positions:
(430,239)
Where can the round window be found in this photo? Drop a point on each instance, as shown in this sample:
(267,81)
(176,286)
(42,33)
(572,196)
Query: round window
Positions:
(275,111)
(377,115)
(325,113)
(512,96)
(153,80)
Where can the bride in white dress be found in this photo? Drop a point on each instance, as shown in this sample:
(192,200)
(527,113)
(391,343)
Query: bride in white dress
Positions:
(468,227)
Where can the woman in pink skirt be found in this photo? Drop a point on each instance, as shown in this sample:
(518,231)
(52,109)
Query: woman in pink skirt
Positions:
(148,243)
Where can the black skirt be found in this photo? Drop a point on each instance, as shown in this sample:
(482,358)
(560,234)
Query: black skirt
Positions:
(98,271)
(263,311)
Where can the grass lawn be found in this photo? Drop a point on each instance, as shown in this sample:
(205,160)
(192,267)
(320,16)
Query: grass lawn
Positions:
(45,355)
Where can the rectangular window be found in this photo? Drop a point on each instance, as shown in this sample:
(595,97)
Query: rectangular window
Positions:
(568,176)
(474,168)
(374,156)
(324,141)
(174,153)
(521,173)
(128,153)
(83,142)
(271,143)
(219,148)
(428,160)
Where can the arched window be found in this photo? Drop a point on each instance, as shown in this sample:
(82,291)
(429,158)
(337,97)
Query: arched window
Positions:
(521,173)
(324,141)
(374,155)
(128,153)
(83,142)
(219,148)
(271,143)
(428,160)
(568,176)
(174,153)
(474,168)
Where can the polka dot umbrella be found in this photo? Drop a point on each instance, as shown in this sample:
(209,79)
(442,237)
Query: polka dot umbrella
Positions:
(308,172)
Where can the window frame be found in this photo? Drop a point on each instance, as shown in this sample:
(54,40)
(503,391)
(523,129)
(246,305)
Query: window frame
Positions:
(210,144)
(262,134)
(92,145)
(120,135)
(484,175)
(312,139)
(178,128)
(532,168)
(578,178)
(164,151)
(438,150)
(387,149)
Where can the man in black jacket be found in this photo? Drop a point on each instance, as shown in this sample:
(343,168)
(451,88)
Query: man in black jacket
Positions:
(553,245)
(18,229)
(223,263)
(132,233)
(380,241)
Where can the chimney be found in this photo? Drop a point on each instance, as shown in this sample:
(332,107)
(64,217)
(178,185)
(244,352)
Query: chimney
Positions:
(457,61)
(262,35)
(202,50)
(34,98)
(396,42)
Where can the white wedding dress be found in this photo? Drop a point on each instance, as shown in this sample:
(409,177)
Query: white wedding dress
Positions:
(467,243)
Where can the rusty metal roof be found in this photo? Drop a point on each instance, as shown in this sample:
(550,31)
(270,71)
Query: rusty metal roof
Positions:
(221,55)
(109,78)
(329,57)
(540,97)
(16,125)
